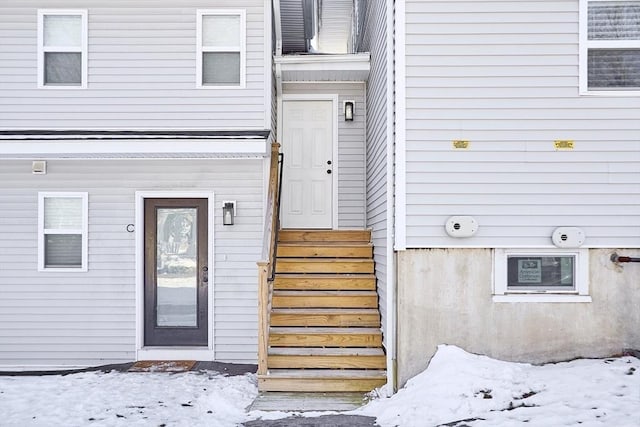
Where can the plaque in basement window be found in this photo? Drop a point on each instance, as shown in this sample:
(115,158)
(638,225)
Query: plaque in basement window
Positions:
(529,271)
(541,273)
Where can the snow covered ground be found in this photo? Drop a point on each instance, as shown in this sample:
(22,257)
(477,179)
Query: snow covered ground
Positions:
(487,392)
(456,386)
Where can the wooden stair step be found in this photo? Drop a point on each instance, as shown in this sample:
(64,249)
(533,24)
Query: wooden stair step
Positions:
(325,250)
(325,299)
(325,281)
(333,265)
(319,380)
(326,358)
(325,317)
(295,235)
(325,337)
(304,402)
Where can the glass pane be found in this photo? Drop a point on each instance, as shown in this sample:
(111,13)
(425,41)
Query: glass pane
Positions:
(177,267)
(63,250)
(221,31)
(63,213)
(614,68)
(222,69)
(614,20)
(63,30)
(531,272)
(63,68)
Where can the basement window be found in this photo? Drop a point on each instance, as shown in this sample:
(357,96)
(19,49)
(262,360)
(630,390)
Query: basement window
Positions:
(541,276)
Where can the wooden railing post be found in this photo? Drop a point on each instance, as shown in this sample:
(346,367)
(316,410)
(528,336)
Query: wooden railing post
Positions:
(266,266)
(263,316)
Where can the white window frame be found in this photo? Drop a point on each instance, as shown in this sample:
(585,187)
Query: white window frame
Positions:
(581,277)
(42,49)
(586,44)
(200,49)
(43,232)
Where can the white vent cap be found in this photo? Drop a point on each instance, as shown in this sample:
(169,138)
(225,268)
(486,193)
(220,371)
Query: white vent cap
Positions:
(39,167)
(568,237)
(461,226)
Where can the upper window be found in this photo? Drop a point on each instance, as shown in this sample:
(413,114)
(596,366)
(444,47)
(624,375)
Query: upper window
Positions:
(545,275)
(221,48)
(62,48)
(610,45)
(62,237)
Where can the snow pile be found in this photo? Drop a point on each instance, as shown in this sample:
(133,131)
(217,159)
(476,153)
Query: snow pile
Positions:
(457,388)
(125,399)
(486,392)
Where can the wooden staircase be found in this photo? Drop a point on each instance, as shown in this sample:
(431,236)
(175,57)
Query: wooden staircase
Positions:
(324,324)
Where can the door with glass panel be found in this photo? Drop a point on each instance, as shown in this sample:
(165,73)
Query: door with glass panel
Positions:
(176,272)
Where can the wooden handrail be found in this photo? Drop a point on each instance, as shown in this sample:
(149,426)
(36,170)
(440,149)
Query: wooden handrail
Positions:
(267,264)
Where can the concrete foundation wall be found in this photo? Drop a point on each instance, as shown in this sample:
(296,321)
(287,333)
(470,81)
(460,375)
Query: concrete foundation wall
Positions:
(445,297)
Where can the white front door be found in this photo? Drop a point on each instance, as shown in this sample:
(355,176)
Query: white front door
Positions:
(307,177)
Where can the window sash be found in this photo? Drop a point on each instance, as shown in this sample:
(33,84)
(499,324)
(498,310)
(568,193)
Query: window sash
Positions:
(541,273)
(75,76)
(209,42)
(62,227)
(221,31)
(616,80)
(579,272)
(614,69)
(63,68)
(62,30)
(607,20)
(62,250)
(221,68)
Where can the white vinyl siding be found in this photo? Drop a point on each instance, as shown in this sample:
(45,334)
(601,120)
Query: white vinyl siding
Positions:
(89,319)
(141,74)
(334,34)
(351,161)
(374,41)
(503,75)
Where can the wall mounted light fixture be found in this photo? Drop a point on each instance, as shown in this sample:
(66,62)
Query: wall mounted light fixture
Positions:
(228,212)
(349,110)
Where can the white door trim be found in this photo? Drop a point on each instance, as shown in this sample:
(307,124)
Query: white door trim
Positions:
(336,166)
(171,353)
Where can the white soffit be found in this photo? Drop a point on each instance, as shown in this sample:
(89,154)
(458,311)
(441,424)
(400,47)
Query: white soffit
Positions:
(132,148)
(347,67)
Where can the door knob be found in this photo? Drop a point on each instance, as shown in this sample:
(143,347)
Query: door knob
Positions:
(205,275)
(329,171)
(328,162)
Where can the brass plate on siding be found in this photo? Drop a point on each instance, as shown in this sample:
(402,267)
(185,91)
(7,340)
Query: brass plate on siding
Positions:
(563,144)
(460,145)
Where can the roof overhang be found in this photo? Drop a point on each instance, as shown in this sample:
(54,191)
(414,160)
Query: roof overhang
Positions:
(60,144)
(342,67)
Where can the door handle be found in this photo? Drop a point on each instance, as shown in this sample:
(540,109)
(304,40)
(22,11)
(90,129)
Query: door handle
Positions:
(328,162)
(205,275)
(329,171)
